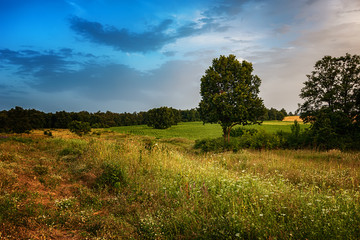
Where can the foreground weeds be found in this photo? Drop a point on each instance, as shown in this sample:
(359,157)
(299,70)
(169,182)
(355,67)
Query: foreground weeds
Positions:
(116,186)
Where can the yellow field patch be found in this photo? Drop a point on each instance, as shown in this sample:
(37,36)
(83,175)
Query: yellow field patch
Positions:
(292,118)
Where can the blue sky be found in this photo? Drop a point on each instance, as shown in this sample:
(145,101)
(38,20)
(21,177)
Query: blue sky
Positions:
(134,55)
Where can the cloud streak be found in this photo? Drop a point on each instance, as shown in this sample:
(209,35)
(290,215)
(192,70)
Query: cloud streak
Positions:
(154,39)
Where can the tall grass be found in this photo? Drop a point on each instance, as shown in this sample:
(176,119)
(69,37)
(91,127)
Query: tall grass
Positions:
(124,186)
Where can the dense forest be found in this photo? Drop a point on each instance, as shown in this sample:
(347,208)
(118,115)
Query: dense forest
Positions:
(20,120)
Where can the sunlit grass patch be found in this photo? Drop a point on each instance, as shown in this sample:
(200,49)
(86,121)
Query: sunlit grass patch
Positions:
(198,130)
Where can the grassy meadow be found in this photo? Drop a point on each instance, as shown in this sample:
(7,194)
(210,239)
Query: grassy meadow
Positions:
(198,130)
(112,185)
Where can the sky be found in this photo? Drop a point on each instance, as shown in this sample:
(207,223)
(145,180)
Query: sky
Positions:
(134,55)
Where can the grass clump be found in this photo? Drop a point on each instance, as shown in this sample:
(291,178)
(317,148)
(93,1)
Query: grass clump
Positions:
(112,177)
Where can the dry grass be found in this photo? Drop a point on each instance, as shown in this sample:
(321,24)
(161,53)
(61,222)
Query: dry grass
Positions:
(118,186)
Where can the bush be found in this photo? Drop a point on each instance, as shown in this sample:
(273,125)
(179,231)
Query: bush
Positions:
(113,176)
(79,128)
(239,131)
(48,133)
(210,145)
(249,139)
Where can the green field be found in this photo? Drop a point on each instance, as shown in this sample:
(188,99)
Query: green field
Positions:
(197,130)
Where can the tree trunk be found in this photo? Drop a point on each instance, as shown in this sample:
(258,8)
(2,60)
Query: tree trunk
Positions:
(225,134)
(226,131)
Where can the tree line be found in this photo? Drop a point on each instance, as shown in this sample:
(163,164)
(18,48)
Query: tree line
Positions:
(19,120)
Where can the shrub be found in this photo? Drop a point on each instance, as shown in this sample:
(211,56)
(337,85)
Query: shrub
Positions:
(79,128)
(264,140)
(48,133)
(210,145)
(113,176)
(239,131)
(249,139)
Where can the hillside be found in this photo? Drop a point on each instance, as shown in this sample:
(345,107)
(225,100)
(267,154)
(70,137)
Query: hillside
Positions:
(118,186)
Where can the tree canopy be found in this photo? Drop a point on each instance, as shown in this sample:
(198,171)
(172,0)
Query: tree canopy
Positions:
(333,85)
(229,93)
(163,117)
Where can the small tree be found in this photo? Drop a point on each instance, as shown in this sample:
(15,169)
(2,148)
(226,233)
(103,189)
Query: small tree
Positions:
(79,128)
(163,117)
(229,93)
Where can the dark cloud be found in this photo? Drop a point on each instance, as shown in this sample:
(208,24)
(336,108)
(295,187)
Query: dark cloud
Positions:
(29,61)
(7,91)
(97,81)
(151,40)
(123,39)
(94,81)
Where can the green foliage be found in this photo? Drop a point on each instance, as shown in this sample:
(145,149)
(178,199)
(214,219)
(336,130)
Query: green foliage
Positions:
(334,130)
(23,120)
(19,121)
(273,114)
(229,93)
(239,131)
(332,104)
(298,138)
(210,145)
(79,128)
(113,176)
(163,117)
(253,140)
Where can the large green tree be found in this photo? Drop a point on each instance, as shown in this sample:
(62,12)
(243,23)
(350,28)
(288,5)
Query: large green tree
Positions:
(332,101)
(230,94)
(333,85)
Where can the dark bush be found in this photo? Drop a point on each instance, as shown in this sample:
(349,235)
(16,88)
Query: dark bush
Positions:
(48,133)
(113,177)
(79,128)
(239,131)
(258,140)
(211,145)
